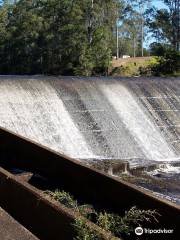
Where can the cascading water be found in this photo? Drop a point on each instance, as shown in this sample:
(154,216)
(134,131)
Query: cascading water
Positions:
(147,135)
(132,119)
(32,108)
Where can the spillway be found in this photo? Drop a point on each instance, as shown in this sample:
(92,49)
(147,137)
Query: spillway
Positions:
(134,119)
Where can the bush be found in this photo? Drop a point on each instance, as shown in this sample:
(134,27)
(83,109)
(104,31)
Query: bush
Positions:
(83,232)
(119,226)
(168,64)
(64,198)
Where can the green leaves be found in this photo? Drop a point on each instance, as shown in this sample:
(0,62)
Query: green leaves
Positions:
(164,24)
(56,37)
(113,223)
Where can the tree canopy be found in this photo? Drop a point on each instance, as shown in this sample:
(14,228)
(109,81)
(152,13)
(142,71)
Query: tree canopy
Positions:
(52,36)
(79,37)
(165,23)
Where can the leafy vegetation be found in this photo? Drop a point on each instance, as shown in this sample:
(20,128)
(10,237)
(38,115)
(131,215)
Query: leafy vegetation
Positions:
(119,226)
(168,64)
(164,23)
(79,37)
(83,232)
(56,37)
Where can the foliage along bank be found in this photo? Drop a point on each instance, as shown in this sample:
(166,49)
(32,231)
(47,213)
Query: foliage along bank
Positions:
(56,37)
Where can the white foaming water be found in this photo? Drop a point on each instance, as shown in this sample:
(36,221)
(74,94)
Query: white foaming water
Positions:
(170,198)
(91,118)
(41,116)
(167,169)
(144,131)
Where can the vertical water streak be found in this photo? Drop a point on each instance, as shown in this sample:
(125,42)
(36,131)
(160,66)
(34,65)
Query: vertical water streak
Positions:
(33,109)
(144,131)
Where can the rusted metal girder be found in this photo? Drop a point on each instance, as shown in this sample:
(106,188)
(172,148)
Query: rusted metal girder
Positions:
(27,204)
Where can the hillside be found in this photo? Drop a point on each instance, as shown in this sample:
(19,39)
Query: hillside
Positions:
(124,61)
(130,67)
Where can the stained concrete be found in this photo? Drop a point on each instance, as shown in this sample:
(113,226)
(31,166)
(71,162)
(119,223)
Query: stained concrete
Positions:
(10,229)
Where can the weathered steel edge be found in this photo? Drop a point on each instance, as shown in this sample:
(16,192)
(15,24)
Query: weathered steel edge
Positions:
(93,184)
(40,214)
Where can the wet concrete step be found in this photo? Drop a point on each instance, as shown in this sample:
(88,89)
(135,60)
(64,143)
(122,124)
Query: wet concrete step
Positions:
(10,229)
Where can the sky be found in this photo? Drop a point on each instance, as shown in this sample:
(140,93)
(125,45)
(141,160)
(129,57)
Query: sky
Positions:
(158,3)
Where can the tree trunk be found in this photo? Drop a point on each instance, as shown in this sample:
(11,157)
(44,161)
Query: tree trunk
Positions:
(117,41)
(142,38)
(134,46)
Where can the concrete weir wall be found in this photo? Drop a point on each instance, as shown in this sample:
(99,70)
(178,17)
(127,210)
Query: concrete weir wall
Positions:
(96,118)
(84,183)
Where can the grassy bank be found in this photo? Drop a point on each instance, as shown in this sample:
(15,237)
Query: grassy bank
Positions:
(140,66)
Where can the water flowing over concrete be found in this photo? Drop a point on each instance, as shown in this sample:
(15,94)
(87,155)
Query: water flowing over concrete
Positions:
(139,124)
(96,118)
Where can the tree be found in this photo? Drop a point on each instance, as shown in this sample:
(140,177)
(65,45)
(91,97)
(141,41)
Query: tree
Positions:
(132,30)
(132,26)
(165,23)
(158,49)
(57,37)
(140,6)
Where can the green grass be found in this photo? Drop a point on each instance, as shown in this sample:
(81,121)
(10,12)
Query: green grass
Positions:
(132,68)
(140,67)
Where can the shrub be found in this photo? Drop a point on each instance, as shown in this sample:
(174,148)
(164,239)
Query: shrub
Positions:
(167,64)
(64,198)
(83,232)
(119,226)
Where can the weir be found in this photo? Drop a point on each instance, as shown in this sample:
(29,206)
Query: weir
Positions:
(114,124)
(96,118)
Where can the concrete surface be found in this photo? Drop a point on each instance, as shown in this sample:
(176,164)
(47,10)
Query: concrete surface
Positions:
(10,229)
